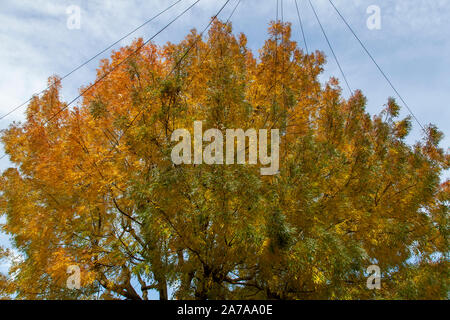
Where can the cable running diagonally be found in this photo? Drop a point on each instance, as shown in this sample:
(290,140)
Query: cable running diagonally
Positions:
(120,63)
(201,35)
(94,57)
(377,65)
(301,27)
(173,69)
(234,10)
(198,39)
(331,48)
(134,52)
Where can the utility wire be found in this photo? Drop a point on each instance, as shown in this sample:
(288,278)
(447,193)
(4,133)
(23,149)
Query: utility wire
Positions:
(98,54)
(134,119)
(198,39)
(228,20)
(234,10)
(301,27)
(120,63)
(201,35)
(377,65)
(331,48)
(176,66)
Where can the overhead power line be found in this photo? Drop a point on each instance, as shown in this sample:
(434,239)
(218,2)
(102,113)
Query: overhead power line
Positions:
(176,66)
(377,65)
(115,144)
(199,38)
(301,27)
(139,48)
(120,63)
(331,48)
(234,10)
(201,35)
(91,59)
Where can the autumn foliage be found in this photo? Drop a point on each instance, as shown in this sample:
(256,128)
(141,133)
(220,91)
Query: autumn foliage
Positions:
(95,185)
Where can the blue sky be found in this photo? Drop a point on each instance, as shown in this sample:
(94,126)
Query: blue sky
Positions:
(412,46)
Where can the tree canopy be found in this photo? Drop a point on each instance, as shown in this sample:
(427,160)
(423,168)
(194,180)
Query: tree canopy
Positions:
(95,185)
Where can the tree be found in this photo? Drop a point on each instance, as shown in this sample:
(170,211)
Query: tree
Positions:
(95,185)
